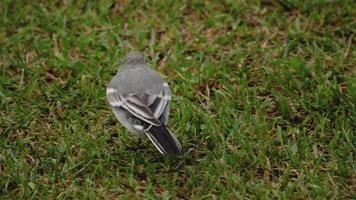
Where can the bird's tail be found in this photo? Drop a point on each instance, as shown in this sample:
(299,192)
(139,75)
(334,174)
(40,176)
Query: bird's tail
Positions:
(165,141)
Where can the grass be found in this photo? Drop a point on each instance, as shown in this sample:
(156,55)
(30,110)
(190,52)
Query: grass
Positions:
(264,99)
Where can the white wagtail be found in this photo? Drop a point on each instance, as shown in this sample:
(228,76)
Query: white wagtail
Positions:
(140,99)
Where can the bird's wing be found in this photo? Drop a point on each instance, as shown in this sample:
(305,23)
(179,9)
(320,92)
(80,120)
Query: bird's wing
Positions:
(161,105)
(147,107)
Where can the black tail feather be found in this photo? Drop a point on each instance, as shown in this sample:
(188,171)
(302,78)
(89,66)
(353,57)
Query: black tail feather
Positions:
(164,140)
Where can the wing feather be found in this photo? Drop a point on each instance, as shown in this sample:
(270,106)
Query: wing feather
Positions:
(147,107)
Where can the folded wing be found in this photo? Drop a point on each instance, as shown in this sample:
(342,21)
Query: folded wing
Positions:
(147,107)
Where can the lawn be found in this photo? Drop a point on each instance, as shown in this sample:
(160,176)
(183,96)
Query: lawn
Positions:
(264,99)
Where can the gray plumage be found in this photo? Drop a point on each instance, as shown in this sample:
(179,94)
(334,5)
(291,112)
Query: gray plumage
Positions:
(140,100)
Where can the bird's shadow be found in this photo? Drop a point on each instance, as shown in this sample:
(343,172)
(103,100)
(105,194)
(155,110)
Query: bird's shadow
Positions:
(140,152)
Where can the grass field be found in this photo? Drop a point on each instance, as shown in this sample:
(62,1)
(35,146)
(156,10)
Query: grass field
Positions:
(264,99)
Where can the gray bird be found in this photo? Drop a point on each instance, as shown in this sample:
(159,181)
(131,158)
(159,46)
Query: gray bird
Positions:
(140,99)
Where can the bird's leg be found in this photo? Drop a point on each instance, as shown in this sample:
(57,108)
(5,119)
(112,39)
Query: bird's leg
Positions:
(138,145)
(139,142)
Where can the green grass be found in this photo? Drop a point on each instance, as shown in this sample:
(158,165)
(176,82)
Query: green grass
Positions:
(264,99)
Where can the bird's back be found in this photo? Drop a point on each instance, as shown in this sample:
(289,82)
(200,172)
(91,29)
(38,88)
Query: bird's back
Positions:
(137,78)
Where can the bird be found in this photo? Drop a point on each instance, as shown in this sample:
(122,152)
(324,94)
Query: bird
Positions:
(140,99)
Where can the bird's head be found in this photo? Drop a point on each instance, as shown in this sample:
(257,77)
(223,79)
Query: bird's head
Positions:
(134,56)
